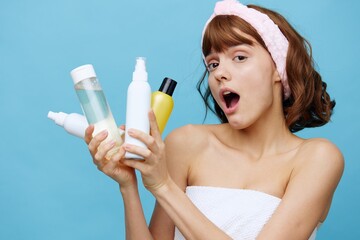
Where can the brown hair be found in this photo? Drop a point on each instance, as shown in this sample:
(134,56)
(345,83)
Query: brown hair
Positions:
(309,104)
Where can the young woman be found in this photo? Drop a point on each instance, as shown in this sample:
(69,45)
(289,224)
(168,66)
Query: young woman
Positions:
(249,177)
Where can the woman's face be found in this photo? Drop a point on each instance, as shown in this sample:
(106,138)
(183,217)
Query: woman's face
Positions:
(241,80)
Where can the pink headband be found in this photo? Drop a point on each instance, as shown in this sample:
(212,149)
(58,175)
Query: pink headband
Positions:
(275,41)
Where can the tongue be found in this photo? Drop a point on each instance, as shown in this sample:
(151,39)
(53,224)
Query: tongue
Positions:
(231,100)
(234,101)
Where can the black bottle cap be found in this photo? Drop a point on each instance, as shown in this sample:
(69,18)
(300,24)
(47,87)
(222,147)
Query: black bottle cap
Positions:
(168,86)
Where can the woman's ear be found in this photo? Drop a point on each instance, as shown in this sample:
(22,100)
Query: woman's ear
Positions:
(276,76)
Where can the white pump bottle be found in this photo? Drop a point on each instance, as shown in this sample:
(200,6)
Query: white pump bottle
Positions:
(73,123)
(138,105)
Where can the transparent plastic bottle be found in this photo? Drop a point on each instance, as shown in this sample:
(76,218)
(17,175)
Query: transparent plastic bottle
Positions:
(138,105)
(94,104)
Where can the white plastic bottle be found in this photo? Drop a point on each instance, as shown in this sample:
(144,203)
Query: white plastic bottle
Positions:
(73,123)
(94,104)
(138,105)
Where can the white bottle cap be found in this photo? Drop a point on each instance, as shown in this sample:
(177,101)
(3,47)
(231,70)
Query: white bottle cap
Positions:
(83,72)
(58,118)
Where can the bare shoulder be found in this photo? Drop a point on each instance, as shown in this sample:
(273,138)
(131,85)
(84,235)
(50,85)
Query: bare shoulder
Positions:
(183,145)
(189,139)
(322,151)
(322,155)
(317,170)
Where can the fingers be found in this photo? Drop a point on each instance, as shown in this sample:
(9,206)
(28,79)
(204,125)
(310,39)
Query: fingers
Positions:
(148,140)
(122,132)
(153,168)
(153,142)
(119,155)
(105,156)
(144,152)
(88,133)
(154,128)
(111,164)
(103,150)
(95,142)
(136,164)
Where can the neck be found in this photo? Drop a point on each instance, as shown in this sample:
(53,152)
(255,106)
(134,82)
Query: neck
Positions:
(268,136)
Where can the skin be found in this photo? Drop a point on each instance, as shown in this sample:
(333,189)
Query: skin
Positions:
(255,150)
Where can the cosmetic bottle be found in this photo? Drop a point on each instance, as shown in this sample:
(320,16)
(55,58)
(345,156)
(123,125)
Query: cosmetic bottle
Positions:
(94,104)
(138,105)
(73,123)
(162,102)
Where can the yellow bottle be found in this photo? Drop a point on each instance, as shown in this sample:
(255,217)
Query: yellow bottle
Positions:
(162,102)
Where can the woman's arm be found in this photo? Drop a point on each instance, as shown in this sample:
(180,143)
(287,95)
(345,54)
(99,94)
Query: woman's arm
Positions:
(161,225)
(170,197)
(188,219)
(308,194)
(181,149)
(136,226)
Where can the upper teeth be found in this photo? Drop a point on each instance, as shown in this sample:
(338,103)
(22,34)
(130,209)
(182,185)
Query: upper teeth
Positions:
(227,92)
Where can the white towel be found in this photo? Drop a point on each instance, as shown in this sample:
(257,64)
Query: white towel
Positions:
(241,213)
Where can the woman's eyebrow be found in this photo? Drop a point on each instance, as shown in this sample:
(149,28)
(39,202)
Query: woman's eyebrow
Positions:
(241,45)
(210,54)
(246,45)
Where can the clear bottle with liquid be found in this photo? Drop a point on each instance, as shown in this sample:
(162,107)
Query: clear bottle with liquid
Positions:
(94,104)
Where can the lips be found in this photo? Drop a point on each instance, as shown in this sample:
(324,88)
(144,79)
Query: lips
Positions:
(230,100)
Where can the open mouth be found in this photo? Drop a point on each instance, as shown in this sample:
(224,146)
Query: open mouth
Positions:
(231,99)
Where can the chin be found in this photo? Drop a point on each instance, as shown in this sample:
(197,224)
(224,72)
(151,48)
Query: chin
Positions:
(237,123)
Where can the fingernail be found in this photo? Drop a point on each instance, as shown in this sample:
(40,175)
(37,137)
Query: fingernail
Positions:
(130,132)
(111,143)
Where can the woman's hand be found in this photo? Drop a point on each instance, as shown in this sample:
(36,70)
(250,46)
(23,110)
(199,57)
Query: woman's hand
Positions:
(113,166)
(153,168)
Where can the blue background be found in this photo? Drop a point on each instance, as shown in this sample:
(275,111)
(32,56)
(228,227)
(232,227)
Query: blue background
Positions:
(49,187)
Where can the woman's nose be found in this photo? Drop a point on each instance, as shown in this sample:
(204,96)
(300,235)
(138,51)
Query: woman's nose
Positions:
(222,73)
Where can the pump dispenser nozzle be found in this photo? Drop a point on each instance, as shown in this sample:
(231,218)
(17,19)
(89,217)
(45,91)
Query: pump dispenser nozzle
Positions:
(140,64)
(140,73)
(58,118)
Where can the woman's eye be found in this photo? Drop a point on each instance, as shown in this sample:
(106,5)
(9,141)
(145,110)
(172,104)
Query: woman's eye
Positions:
(211,66)
(240,58)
